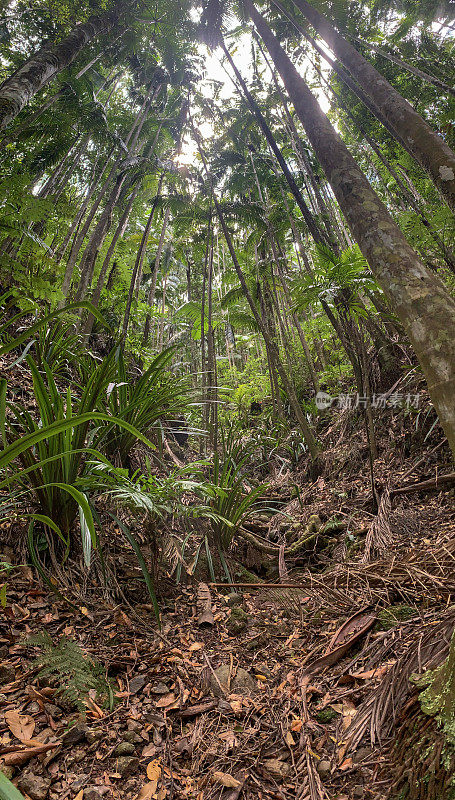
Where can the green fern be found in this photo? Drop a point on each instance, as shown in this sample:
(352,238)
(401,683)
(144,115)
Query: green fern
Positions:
(76,673)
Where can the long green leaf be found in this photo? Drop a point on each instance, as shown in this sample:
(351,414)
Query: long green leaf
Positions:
(147,577)
(8,791)
(37,325)
(25,442)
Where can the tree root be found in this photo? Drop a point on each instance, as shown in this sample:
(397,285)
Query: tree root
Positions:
(305,541)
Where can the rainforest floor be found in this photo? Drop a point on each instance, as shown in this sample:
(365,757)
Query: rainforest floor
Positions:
(303,707)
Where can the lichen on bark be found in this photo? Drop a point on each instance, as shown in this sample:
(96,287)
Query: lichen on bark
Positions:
(438,698)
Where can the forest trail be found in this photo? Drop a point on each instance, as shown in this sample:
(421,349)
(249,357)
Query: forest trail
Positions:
(253,690)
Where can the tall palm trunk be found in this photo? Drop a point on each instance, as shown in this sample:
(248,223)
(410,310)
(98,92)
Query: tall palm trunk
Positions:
(152,290)
(270,343)
(306,213)
(426,146)
(118,233)
(417,296)
(17,90)
(89,256)
(88,260)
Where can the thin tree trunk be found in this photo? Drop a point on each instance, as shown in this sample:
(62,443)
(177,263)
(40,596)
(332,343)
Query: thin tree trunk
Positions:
(273,349)
(151,293)
(306,213)
(119,231)
(88,260)
(418,297)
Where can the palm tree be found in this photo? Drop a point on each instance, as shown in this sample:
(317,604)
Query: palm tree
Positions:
(427,147)
(419,298)
(17,90)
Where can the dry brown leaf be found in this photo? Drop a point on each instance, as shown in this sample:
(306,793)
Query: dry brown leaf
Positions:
(379,672)
(154,770)
(347,764)
(166,700)
(80,795)
(21,726)
(226,780)
(148,791)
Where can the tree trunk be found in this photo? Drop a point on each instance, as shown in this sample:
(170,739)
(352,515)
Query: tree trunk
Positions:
(417,296)
(138,264)
(17,90)
(306,213)
(151,293)
(426,146)
(119,231)
(272,346)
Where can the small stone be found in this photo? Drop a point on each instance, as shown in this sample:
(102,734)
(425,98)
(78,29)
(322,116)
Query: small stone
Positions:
(134,725)
(126,765)
(92,793)
(76,734)
(242,682)
(358,791)
(237,621)
(124,749)
(160,688)
(94,735)
(277,768)
(262,669)
(362,753)
(234,599)
(7,673)
(137,683)
(324,768)
(33,708)
(36,786)
(132,737)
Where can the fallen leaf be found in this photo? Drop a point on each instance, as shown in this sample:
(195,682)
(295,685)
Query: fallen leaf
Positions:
(226,780)
(154,770)
(147,791)
(166,700)
(80,795)
(21,726)
(347,763)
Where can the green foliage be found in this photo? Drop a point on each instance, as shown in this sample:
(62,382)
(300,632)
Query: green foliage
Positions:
(335,280)
(144,404)
(76,673)
(7,789)
(235,499)
(438,698)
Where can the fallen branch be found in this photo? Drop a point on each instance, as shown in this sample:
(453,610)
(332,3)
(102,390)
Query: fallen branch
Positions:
(424,486)
(21,756)
(303,542)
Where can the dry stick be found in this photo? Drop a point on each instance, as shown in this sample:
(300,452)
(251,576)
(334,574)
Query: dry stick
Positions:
(424,485)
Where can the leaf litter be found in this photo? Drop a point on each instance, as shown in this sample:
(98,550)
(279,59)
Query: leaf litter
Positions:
(327,668)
